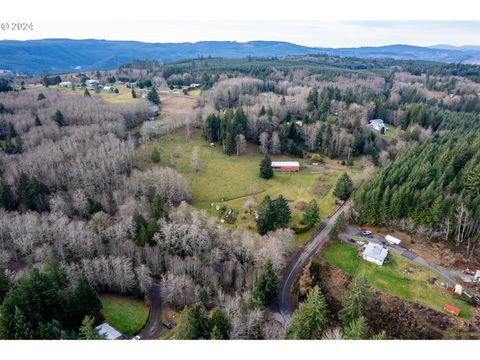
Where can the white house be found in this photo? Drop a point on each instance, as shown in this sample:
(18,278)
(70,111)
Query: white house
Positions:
(377,125)
(109,331)
(65,84)
(375,253)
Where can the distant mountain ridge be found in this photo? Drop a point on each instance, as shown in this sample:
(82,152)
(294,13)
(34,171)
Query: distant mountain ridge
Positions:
(67,55)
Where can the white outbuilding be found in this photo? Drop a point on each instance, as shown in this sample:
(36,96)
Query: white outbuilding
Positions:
(375,253)
(392,240)
(109,331)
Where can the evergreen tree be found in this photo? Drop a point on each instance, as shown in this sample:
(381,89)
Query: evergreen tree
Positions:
(312,214)
(155,156)
(266,287)
(357,329)
(281,212)
(266,216)
(344,187)
(138,222)
(86,93)
(58,117)
(310,319)
(41,97)
(24,190)
(83,300)
(88,332)
(6,197)
(157,207)
(266,171)
(192,324)
(4,284)
(21,327)
(355,302)
(134,94)
(56,273)
(153,96)
(219,325)
(38,122)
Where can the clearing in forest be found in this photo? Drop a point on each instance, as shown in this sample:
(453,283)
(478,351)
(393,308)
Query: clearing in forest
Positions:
(391,278)
(229,181)
(126,314)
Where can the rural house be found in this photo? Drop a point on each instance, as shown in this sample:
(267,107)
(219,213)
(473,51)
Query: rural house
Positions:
(285,166)
(109,89)
(377,125)
(375,253)
(110,332)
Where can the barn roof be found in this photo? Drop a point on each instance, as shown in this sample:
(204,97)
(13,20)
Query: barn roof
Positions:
(285,163)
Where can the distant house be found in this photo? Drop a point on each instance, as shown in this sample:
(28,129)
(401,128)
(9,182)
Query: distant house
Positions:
(375,253)
(110,332)
(285,166)
(92,84)
(65,84)
(195,85)
(377,125)
(109,89)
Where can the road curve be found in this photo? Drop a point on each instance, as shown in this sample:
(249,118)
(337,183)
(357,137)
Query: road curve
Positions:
(295,267)
(153,328)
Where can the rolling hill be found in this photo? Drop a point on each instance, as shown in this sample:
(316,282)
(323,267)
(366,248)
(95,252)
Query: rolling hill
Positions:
(66,55)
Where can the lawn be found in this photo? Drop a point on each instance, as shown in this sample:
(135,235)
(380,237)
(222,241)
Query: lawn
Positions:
(230,180)
(391,278)
(126,314)
(124,94)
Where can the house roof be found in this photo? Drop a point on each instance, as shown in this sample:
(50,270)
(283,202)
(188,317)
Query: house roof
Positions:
(376,251)
(285,163)
(112,333)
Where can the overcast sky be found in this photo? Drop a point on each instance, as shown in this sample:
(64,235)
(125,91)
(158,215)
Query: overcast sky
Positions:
(311,33)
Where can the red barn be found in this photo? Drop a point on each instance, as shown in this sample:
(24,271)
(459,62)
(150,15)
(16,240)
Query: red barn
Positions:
(451,309)
(285,166)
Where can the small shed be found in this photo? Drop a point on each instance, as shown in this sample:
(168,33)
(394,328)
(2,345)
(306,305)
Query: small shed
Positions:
(392,240)
(110,332)
(285,166)
(452,309)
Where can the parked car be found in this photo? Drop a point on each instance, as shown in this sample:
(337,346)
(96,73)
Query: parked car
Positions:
(366,233)
(137,337)
(168,325)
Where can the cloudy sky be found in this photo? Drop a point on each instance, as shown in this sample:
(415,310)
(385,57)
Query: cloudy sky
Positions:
(311,33)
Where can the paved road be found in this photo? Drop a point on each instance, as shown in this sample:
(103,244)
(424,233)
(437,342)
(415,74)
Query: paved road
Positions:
(153,329)
(296,266)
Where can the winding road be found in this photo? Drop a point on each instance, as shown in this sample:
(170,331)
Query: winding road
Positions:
(153,328)
(284,297)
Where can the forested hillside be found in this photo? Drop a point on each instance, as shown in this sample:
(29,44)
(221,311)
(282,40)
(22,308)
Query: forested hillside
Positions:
(433,188)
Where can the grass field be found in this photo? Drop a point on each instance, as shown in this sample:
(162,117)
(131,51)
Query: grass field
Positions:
(124,94)
(126,314)
(391,278)
(231,180)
